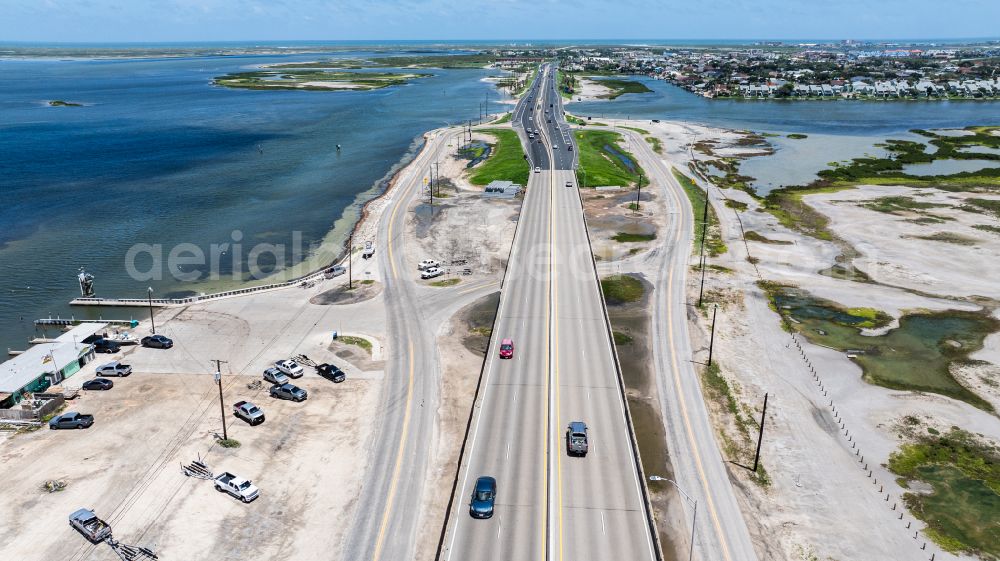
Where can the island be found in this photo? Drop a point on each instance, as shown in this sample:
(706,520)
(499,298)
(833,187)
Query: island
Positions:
(313,79)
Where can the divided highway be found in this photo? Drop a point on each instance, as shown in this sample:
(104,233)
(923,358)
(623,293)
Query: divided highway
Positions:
(550,505)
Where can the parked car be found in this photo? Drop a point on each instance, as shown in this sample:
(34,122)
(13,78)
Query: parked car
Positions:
(335,271)
(289,391)
(275,376)
(427,264)
(88,524)
(71,420)
(369,250)
(576,439)
(538,169)
(115,368)
(483,497)
(157,342)
(248,412)
(507,348)
(106,346)
(290,368)
(331,372)
(569,183)
(98,384)
(242,489)
(431,273)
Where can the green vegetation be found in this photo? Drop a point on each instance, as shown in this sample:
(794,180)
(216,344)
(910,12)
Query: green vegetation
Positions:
(797,136)
(740,449)
(898,205)
(505,119)
(621,289)
(788,207)
(738,205)
(713,238)
(229,443)
(625,237)
(988,228)
(620,87)
(636,129)
(506,162)
(356,341)
(949,237)
(61,103)
(988,205)
(313,80)
(753,236)
(604,162)
(574,120)
(962,511)
(621,338)
(566,84)
(655,143)
(917,355)
(792,212)
(446,282)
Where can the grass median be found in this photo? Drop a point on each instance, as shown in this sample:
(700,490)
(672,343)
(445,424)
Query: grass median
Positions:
(603,162)
(713,237)
(506,162)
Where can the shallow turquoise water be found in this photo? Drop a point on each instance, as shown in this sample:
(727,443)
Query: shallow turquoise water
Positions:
(158,155)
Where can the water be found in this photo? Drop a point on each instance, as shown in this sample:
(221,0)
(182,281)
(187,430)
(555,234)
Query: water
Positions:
(837,130)
(948,167)
(159,156)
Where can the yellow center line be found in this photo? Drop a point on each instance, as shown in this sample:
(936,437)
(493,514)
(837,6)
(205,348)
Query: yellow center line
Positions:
(684,412)
(409,401)
(399,462)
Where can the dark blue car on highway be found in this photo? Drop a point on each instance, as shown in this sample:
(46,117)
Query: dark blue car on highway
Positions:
(483,497)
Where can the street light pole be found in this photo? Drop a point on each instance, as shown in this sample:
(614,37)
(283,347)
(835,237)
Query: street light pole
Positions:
(149,296)
(694,515)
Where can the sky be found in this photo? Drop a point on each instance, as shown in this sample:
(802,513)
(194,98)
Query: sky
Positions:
(275,20)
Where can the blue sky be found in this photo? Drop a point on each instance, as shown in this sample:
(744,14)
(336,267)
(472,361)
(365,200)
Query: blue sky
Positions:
(229,20)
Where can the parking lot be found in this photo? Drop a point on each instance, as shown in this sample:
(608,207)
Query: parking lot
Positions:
(306,458)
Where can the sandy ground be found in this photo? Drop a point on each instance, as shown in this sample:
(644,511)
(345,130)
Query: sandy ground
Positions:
(171,403)
(819,494)
(486,225)
(590,90)
(126,466)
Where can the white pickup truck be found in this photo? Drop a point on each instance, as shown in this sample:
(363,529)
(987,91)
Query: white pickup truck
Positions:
(242,489)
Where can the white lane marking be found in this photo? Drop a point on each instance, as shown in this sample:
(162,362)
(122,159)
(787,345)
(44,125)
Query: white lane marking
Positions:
(508,450)
(499,526)
(603,529)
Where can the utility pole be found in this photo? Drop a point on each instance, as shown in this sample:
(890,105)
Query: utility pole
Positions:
(704,232)
(149,296)
(637,195)
(760,436)
(711,341)
(350,262)
(222,406)
(436,181)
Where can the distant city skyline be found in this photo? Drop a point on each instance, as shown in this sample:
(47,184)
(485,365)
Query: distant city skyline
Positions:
(498,20)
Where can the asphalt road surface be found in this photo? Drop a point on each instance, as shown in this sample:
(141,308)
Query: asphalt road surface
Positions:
(550,505)
(385,525)
(698,466)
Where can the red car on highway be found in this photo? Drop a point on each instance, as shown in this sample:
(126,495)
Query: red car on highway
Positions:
(507,348)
